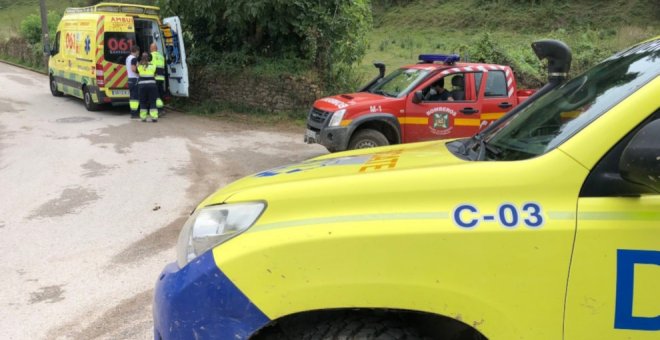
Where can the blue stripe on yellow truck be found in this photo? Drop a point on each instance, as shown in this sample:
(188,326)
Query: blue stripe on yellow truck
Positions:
(199,301)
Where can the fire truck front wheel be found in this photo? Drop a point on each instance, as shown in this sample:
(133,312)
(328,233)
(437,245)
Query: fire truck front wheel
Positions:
(367,138)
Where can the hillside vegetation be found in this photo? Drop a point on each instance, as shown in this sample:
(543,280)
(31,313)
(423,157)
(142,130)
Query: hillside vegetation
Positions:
(13,12)
(501,31)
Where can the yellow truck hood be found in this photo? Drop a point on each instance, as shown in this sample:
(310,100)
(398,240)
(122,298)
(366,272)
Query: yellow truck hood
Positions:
(352,163)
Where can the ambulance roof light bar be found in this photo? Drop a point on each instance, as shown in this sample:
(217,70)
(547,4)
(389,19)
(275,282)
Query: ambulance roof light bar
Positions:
(445,58)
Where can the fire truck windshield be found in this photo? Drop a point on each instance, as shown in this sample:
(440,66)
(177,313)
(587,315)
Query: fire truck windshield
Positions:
(400,82)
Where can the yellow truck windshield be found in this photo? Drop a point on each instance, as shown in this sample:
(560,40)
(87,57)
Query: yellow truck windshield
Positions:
(559,114)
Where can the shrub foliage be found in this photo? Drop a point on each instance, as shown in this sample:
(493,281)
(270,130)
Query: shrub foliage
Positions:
(31,26)
(325,35)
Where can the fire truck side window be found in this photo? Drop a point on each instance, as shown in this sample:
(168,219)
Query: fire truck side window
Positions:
(496,84)
(478,77)
(458,86)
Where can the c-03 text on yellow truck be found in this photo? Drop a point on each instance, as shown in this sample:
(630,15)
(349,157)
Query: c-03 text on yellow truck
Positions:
(544,226)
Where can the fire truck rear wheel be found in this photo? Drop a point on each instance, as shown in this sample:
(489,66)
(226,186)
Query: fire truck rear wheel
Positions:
(367,138)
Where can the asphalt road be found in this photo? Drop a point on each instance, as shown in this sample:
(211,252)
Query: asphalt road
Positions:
(91,204)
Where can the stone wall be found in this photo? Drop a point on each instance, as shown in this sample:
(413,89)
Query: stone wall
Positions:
(266,93)
(17,49)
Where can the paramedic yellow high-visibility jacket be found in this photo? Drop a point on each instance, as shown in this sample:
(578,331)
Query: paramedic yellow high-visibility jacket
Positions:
(158,60)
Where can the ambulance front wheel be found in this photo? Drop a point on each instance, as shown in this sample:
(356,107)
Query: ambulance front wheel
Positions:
(89,102)
(53,88)
(367,138)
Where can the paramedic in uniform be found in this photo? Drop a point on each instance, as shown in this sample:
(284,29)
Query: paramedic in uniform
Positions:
(131,69)
(147,89)
(158,60)
(438,92)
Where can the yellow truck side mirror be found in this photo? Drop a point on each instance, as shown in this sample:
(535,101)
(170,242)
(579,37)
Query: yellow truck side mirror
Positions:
(640,161)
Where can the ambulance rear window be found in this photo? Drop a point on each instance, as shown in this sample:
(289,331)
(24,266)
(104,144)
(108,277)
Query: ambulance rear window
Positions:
(118,46)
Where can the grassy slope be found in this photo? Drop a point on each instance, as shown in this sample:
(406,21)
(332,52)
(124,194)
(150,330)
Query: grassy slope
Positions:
(593,29)
(13,12)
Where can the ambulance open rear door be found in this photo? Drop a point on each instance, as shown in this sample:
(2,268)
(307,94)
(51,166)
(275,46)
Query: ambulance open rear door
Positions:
(175,55)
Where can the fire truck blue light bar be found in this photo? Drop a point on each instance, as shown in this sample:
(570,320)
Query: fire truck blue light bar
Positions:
(445,58)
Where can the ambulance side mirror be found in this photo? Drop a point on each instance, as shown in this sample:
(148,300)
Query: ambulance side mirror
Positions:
(640,160)
(418,96)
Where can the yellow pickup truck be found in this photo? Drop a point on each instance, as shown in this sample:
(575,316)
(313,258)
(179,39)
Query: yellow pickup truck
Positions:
(546,225)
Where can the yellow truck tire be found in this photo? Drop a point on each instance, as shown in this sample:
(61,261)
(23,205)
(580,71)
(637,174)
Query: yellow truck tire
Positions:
(353,326)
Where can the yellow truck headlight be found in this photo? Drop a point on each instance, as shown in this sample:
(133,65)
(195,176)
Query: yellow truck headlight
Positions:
(337,116)
(213,225)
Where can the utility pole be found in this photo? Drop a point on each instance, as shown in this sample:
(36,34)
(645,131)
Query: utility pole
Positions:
(44,30)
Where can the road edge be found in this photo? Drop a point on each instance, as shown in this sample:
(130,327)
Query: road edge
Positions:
(23,67)
(45,73)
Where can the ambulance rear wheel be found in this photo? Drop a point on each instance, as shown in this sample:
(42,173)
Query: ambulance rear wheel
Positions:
(360,328)
(53,88)
(367,138)
(89,102)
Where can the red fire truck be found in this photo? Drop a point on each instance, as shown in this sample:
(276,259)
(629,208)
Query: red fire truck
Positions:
(437,98)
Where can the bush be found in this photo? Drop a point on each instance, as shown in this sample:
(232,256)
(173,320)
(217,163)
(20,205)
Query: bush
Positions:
(328,37)
(31,26)
(527,68)
(18,50)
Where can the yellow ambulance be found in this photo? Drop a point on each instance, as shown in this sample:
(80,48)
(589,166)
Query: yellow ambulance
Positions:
(89,51)
(546,225)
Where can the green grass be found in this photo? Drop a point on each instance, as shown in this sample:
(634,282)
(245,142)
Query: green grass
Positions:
(13,12)
(518,16)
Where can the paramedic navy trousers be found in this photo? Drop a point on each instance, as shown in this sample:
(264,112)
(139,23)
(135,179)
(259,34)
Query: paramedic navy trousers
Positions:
(134,99)
(148,96)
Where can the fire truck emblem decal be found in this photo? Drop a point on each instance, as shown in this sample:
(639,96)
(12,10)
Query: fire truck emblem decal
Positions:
(440,121)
